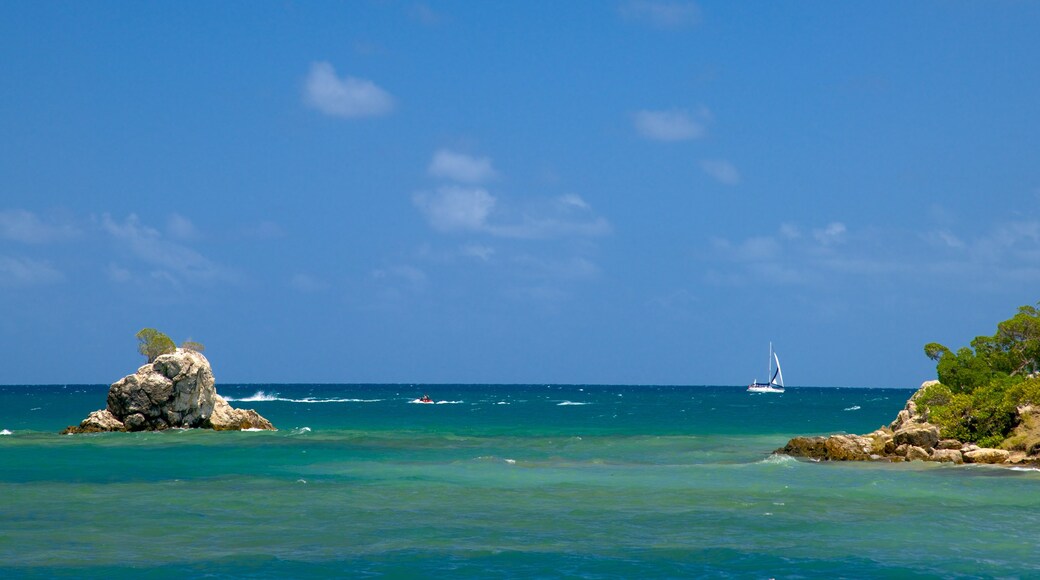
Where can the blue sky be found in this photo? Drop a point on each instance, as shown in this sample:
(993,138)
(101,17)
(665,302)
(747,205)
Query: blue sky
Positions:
(616,192)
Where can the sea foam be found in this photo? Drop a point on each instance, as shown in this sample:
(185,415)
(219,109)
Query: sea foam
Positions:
(6,432)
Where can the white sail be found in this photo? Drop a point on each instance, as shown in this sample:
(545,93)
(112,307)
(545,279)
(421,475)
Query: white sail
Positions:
(779,374)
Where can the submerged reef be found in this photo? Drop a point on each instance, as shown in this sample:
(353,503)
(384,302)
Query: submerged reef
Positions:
(176,390)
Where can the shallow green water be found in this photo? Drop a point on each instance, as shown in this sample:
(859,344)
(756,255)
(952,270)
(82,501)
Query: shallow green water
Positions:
(500,482)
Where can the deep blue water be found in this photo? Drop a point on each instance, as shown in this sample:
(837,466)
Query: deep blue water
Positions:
(498,481)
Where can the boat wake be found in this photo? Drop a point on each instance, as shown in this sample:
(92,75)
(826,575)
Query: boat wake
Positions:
(421,402)
(261,396)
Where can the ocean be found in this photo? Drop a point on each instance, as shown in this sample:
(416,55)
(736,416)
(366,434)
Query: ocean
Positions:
(498,481)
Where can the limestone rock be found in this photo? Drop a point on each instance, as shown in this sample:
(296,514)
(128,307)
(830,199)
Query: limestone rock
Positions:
(811,447)
(176,390)
(986,455)
(923,435)
(947,456)
(949,444)
(915,453)
(848,447)
(97,422)
(226,418)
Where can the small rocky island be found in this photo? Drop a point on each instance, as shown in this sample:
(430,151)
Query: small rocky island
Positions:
(985,407)
(175,390)
(911,437)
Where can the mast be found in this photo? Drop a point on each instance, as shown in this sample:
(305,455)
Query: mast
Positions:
(769,365)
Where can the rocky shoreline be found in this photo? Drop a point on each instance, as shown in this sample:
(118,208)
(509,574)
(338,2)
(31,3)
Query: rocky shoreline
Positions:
(175,391)
(910,437)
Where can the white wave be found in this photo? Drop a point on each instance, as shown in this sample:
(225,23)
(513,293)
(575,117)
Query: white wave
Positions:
(853,408)
(511,461)
(261,396)
(567,403)
(779,460)
(300,431)
(1016,468)
(501,403)
(6,432)
(257,396)
(254,429)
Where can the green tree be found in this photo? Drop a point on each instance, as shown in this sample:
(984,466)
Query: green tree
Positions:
(154,343)
(193,345)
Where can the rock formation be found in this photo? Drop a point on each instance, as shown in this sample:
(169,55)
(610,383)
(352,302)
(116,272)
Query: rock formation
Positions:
(177,390)
(910,437)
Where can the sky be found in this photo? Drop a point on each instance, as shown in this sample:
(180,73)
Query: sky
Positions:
(617,192)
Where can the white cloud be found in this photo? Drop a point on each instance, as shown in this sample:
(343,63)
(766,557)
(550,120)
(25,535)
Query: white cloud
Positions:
(479,251)
(944,239)
(454,208)
(790,231)
(721,170)
(172,261)
(662,14)
(473,209)
(24,226)
(27,272)
(834,233)
(181,227)
(672,125)
(573,200)
(461,167)
(348,97)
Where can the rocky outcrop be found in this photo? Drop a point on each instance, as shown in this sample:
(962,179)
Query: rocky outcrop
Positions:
(176,390)
(910,437)
(985,455)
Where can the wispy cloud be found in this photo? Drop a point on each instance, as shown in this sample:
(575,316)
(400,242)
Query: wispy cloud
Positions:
(422,12)
(15,271)
(169,260)
(482,252)
(833,233)
(181,227)
(661,14)
(461,167)
(455,208)
(672,125)
(346,97)
(26,227)
(473,210)
(1008,254)
(721,170)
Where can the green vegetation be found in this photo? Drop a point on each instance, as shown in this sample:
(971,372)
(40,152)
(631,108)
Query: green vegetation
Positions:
(154,343)
(193,346)
(981,387)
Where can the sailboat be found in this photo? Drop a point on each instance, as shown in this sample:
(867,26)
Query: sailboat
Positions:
(775,384)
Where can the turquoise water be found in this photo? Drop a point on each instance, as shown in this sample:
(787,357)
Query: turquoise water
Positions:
(498,481)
